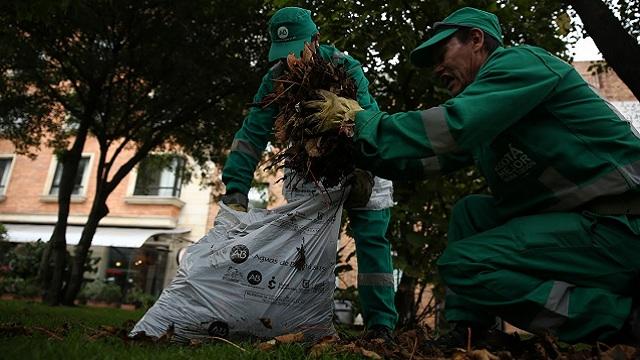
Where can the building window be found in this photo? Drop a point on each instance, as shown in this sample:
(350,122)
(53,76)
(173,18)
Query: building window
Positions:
(160,175)
(80,181)
(5,166)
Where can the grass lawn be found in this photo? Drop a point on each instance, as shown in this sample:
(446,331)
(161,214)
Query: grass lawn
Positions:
(30,330)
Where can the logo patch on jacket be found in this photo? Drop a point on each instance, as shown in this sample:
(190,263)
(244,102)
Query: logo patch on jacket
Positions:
(513,164)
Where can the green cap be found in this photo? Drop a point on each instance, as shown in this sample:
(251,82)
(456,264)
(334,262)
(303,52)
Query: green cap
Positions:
(465,17)
(289,29)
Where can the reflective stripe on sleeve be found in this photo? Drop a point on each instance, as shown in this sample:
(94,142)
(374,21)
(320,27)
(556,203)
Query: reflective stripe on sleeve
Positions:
(431,166)
(375,279)
(556,309)
(435,125)
(616,111)
(571,195)
(245,148)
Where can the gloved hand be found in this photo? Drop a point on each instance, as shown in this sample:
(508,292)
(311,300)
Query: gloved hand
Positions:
(361,182)
(235,200)
(332,111)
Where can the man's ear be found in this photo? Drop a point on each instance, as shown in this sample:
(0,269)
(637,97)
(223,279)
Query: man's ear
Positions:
(477,38)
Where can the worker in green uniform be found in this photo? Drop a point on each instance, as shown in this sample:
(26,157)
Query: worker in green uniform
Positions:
(289,29)
(556,246)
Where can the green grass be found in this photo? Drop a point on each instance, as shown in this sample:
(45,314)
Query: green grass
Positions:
(82,322)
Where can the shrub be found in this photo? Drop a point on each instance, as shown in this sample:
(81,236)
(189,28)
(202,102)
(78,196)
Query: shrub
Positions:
(20,287)
(98,290)
(139,298)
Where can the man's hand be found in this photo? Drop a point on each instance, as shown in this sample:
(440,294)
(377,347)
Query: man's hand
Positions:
(332,111)
(236,201)
(361,182)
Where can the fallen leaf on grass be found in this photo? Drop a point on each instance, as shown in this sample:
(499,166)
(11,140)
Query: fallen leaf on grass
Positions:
(290,338)
(620,352)
(354,349)
(474,355)
(266,345)
(195,343)
(168,335)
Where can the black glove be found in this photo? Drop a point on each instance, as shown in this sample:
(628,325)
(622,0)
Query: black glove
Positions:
(361,183)
(236,200)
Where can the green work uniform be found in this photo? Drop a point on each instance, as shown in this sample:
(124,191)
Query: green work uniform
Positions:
(373,250)
(547,145)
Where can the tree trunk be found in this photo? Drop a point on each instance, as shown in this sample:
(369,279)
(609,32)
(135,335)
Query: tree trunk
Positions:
(99,210)
(619,48)
(53,262)
(405,301)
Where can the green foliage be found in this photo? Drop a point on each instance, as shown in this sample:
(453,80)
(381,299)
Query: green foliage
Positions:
(139,298)
(144,72)
(23,259)
(19,267)
(98,290)
(27,288)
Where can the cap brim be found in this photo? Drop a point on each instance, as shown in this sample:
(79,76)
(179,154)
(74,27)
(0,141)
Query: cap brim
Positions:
(421,56)
(280,50)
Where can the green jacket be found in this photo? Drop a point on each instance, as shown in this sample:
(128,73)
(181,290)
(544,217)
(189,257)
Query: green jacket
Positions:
(544,139)
(257,128)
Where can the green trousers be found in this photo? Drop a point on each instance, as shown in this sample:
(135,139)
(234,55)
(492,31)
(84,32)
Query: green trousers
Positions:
(375,270)
(571,274)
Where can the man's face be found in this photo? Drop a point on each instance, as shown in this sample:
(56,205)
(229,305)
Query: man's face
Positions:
(456,64)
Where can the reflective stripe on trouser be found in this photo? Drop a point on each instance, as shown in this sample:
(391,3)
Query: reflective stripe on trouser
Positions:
(375,269)
(568,273)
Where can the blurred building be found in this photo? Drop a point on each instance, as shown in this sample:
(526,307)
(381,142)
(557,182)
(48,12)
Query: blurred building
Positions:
(153,214)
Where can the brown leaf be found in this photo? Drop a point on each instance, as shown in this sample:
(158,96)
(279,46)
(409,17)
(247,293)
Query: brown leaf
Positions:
(168,335)
(195,343)
(482,354)
(110,329)
(290,338)
(318,349)
(354,349)
(266,345)
(266,322)
(620,352)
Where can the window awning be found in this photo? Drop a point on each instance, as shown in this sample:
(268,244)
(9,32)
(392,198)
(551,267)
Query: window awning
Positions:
(105,236)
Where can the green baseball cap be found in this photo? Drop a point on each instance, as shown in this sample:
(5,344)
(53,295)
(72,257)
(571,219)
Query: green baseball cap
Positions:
(289,29)
(465,17)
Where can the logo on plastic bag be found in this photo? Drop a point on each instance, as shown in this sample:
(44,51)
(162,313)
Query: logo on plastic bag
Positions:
(239,254)
(272,283)
(254,277)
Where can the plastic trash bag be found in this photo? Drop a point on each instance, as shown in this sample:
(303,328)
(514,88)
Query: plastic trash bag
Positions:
(241,278)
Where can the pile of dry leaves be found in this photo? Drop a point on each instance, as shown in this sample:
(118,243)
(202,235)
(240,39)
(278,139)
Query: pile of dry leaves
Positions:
(322,158)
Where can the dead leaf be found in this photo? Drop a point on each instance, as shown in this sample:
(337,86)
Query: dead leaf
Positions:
(620,352)
(266,345)
(370,354)
(290,338)
(318,349)
(168,335)
(195,343)
(481,354)
(266,322)
(354,349)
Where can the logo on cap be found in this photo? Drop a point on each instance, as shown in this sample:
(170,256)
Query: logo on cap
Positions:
(283,32)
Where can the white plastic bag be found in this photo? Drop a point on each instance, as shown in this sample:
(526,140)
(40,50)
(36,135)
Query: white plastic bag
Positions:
(241,279)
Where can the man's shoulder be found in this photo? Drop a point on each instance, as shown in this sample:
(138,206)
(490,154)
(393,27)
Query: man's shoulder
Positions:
(525,55)
(335,55)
